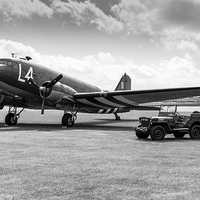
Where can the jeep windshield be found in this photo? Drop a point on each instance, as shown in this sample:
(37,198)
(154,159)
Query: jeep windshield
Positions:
(168,111)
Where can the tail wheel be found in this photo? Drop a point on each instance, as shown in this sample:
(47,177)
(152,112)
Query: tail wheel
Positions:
(157,133)
(10,119)
(195,132)
(68,120)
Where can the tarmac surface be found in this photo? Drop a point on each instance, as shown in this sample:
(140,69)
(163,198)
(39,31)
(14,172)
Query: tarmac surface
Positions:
(100,158)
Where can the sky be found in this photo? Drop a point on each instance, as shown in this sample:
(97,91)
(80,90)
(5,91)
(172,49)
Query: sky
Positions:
(157,43)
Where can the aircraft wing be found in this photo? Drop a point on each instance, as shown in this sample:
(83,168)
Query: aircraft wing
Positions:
(130,98)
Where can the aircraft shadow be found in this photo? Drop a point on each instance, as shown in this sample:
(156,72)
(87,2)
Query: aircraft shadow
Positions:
(122,120)
(110,125)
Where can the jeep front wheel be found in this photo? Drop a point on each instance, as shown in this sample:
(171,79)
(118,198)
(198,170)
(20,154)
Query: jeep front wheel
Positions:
(157,133)
(195,132)
(141,135)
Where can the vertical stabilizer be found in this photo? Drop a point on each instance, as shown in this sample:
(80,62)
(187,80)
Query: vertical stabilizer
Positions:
(124,83)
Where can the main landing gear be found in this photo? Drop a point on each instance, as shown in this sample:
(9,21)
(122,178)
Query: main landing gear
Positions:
(68,120)
(12,116)
(69,117)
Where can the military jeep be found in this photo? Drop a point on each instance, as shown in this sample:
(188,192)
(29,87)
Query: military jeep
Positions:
(169,122)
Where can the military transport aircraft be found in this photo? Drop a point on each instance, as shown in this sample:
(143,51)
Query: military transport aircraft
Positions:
(25,84)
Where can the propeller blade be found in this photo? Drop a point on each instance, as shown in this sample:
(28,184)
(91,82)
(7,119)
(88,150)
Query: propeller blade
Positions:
(54,81)
(44,89)
(42,108)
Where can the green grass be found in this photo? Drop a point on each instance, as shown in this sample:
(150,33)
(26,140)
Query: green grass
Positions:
(101,161)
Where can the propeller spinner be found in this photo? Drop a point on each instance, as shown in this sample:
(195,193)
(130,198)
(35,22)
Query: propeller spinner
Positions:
(45,89)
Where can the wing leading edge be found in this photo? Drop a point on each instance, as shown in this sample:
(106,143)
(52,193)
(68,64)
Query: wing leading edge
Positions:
(132,98)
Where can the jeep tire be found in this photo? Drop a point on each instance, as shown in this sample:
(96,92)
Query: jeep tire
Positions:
(157,133)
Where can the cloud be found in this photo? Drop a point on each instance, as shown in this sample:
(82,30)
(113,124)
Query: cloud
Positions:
(105,71)
(159,17)
(12,9)
(180,44)
(169,18)
(133,15)
(183,14)
(87,13)
(173,21)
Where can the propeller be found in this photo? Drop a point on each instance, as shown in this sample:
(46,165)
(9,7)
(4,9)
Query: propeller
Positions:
(45,89)
(54,81)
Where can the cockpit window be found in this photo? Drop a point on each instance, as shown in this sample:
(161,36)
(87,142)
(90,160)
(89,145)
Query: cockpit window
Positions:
(3,62)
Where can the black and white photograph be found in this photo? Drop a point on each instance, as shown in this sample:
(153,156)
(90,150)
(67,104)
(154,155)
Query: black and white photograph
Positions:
(99,99)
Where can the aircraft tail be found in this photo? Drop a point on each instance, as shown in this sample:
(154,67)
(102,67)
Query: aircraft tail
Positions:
(124,83)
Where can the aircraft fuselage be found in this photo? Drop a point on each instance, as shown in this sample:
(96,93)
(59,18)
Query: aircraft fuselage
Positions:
(15,75)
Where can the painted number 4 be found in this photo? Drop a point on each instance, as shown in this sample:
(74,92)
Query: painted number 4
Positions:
(28,75)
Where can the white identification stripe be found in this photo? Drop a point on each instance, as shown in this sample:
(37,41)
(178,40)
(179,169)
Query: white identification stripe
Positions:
(108,110)
(110,103)
(115,110)
(85,101)
(122,99)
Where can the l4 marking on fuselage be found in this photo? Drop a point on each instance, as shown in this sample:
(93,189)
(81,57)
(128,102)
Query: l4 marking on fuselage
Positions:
(29,74)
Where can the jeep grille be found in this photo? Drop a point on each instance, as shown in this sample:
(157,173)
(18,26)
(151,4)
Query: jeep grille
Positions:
(144,121)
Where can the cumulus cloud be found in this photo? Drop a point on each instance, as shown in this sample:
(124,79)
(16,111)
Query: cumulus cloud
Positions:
(135,16)
(159,17)
(169,18)
(179,44)
(12,9)
(80,12)
(104,70)
(87,12)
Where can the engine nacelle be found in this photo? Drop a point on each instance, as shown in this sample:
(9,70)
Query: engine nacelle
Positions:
(58,91)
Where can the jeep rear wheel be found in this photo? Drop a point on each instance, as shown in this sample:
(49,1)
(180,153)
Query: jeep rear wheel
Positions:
(195,132)
(157,133)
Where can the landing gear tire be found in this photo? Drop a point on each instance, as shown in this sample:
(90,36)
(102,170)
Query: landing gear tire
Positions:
(10,119)
(157,133)
(195,132)
(67,120)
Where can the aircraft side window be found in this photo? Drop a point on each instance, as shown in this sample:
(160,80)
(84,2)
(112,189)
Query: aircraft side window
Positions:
(10,63)
(15,66)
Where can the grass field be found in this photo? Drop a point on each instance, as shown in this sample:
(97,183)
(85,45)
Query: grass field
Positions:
(99,158)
